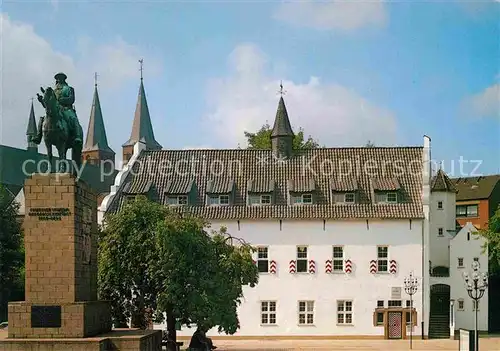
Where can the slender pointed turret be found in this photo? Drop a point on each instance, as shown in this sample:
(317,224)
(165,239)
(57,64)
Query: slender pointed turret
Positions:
(282,133)
(31,130)
(96,146)
(142,129)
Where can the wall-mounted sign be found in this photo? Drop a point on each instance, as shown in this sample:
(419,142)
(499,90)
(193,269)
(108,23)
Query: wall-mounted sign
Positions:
(49,213)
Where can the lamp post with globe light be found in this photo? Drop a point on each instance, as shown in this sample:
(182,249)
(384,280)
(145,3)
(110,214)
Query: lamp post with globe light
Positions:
(411,286)
(476,287)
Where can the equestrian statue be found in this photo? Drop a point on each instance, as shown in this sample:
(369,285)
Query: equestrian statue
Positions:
(60,126)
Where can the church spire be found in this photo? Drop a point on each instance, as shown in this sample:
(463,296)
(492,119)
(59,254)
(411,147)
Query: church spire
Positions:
(96,146)
(282,133)
(31,130)
(142,129)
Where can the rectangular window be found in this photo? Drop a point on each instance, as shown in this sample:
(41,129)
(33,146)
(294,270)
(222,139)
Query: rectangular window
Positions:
(224,199)
(392,197)
(265,199)
(262,259)
(344,312)
(460,262)
(408,303)
(268,312)
(349,198)
(440,231)
(307,198)
(301,259)
(395,303)
(440,205)
(260,199)
(382,258)
(467,210)
(460,304)
(178,200)
(306,312)
(380,318)
(338,259)
(380,303)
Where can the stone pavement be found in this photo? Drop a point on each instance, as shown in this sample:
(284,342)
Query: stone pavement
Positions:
(485,344)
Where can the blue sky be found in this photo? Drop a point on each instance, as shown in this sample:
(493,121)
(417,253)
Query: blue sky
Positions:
(388,72)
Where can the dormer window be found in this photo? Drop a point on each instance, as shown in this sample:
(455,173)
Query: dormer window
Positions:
(301,191)
(345,191)
(178,200)
(386,190)
(132,189)
(178,191)
(220,192)
(260,192)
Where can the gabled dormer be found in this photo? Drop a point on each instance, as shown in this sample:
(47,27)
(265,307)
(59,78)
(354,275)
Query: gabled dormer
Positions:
(301,191)
(344,191)
(260,192)
(180,192)
(220,192)
(386,190)
(134,188)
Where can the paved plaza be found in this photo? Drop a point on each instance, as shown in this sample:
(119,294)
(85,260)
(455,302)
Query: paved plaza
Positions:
(485,344)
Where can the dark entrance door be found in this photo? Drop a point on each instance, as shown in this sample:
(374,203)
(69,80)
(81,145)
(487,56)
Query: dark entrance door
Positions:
(395,319)
(439,321)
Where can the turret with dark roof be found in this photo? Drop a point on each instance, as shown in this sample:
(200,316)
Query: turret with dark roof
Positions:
(441,182)
(282,133)
(96,146)
(142,129)
(31,130)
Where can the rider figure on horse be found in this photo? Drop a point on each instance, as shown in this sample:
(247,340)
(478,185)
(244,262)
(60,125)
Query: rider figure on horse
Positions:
(65,95)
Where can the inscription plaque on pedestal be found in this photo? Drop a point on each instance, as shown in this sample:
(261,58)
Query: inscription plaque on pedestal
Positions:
(45,316)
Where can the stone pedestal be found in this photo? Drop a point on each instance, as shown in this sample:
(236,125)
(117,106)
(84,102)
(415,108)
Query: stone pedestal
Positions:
(60,235)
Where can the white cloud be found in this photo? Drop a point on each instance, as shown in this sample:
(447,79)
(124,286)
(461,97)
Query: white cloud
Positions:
(485,103)
(28,61)
(334,14)
(247,98)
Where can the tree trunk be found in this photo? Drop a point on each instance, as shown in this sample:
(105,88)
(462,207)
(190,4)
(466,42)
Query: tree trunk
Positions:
(172,333)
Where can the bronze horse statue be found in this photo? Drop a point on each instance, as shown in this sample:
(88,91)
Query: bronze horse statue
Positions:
(56,131)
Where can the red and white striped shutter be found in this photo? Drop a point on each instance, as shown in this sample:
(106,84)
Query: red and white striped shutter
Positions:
(328,266)
(373,266)
(292,267)
(272,267)
(393,267)
(348,266)
(312,266)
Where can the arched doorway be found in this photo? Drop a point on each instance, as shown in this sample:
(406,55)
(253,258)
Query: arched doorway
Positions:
(439,322)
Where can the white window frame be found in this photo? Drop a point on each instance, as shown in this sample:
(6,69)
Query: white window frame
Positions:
(440,232)
(225,196)
(268,310)
(299,257)
(460,302)
(309,196)
(263,255)
(387,197)
(265,196)
(440,205)
(335,260)
(344,309)
(382,259)
(458,262)
(178,198)
(353,198)
(305,312)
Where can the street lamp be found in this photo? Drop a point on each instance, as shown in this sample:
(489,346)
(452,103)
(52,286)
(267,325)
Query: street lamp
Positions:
(476,286)
(411,285)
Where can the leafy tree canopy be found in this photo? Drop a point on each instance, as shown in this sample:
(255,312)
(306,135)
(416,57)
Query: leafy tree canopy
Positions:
(262,139)
(492,236)
(11,253)
(155,263)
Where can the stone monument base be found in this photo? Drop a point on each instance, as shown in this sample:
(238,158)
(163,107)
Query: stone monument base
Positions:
(74,319)
(116,340)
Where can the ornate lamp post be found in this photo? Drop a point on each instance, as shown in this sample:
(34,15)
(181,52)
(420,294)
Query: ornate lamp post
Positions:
(411,286)
(476,286)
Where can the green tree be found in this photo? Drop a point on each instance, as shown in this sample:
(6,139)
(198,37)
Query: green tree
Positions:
(11,253)
(262,139)
(155,263)
(492,235)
